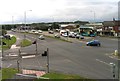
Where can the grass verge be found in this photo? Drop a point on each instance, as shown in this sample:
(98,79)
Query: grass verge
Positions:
(8,73)
(58,38)
(61,76)
(9,42)
(25,42)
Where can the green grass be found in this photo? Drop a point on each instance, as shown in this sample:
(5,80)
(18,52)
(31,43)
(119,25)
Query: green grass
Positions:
(25,42)
(61,76)
(8,73)
(8,42)
(58,39)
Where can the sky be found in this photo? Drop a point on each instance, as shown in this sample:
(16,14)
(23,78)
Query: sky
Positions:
(13,11)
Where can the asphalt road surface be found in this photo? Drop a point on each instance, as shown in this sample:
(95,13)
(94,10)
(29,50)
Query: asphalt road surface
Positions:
(72,58)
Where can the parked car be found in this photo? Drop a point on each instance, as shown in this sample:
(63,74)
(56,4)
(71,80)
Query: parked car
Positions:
(41,37)
(51,32)
(39,31)
(36,32)
(92,35)
(7,36)
(78,36)
(71,34)
(93,43)
(64,35)
(57,36)
(85,34)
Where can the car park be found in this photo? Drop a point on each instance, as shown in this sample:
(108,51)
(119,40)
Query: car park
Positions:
(41,37)
(93,43)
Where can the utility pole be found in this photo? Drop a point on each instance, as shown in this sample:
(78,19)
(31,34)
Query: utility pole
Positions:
(19,61)
(36,47)
(47,60)
(113,69)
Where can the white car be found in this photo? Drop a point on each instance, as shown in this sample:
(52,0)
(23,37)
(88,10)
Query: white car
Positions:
(36,32)
(79,36)
(41,37)
(51,32)
(65,35)
(57,36)
(40,31)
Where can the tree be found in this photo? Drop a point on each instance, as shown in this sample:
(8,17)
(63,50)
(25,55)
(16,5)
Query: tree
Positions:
(3,32)
(55,26)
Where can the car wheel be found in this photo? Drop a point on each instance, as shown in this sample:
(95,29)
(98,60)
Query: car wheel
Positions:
(87,45)
(98,45)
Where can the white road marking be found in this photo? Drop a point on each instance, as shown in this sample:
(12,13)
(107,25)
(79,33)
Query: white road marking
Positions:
(30,56)
(103,62)
(9,65)
(112,56)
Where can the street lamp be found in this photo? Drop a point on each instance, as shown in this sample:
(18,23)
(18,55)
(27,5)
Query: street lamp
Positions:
(113,69)
(25,17)
(94,14)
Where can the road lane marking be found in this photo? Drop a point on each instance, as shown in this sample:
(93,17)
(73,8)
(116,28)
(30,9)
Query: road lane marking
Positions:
(9,65)
(103,62)
(30,56)
(112,56)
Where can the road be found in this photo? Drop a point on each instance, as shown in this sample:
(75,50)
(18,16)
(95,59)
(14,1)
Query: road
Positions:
(72,58)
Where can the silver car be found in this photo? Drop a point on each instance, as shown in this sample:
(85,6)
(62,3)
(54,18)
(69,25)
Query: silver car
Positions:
(41,37)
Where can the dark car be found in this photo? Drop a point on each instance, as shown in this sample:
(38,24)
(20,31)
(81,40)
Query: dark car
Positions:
(7,36)
(51,32)
(93,43)
(92,35)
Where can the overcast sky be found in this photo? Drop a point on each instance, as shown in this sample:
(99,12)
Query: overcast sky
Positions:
(57,10)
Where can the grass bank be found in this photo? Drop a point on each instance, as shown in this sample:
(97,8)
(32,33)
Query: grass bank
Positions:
(8,73)
(8,42)
(61,76)
(25,42)
(58,38)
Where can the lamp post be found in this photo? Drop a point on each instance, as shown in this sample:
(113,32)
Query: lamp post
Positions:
(113,69)
(25,18)
(93,14)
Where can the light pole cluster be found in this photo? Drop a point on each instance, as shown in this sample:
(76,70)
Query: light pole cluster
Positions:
(25,18)
(94,15)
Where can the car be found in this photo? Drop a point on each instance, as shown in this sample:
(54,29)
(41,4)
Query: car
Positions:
(41,37)
(92,35)
(36,32)
(93,43)
(64,35)
(84,34)
(7,36)
(72,35)
(78,36)
(57,36)
(39,31)
(51,32)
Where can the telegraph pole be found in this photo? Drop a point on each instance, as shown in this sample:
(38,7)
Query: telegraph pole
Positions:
(47,60)
(19,61)
(36,47)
